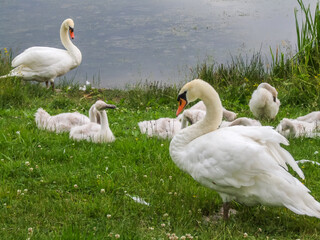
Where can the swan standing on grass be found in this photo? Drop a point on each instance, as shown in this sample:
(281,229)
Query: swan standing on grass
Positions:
(93,131)
(264,102)
(246,164)
(63,122)
(44,64)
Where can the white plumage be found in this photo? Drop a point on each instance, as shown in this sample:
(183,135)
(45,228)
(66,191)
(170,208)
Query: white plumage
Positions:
(162,127)
(95,132)
(296,128)
(244,121)
(264,102)
(228,115)
(63,122)
(310,117)
(44,64)
(246,164)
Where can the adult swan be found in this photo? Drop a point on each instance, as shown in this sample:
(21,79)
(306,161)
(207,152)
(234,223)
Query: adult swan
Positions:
(44,64)
(241,163)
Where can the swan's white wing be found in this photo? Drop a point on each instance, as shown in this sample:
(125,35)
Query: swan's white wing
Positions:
(238,157)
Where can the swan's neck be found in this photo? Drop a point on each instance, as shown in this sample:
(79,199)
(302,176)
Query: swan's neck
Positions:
(71,48)
(104,122)
(211,121)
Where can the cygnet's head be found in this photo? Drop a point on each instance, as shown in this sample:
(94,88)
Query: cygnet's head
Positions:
(101,105)
(271,89)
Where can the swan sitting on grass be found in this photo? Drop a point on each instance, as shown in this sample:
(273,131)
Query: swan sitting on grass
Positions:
(310,117)
(95,132)
(44,64)
(162,127)
(63,122)
(264,102)
(295,128)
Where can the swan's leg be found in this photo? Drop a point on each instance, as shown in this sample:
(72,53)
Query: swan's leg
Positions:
(52,84)
(47,84)
(226,208)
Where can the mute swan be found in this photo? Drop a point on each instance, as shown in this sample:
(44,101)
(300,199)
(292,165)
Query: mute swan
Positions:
(65,121)
(311,117)
(264,102)
(246,164)
(93,131)
(44,64)
(162,127)
(228,115)
(295,128)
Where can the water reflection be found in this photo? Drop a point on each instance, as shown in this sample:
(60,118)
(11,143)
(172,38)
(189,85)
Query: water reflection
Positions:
(124,41)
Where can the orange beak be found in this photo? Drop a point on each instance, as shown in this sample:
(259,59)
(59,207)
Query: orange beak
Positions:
(71,33)
(182,104)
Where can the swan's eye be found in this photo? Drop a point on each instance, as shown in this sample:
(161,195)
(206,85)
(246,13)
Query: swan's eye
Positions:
(274,99)
(71,29)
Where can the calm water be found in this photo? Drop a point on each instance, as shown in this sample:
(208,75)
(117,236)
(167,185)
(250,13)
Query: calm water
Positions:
(126,41)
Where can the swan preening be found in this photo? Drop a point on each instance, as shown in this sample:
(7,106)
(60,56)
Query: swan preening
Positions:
(94,132)
(63,122)
(246,164)
(44,64)
(264,102)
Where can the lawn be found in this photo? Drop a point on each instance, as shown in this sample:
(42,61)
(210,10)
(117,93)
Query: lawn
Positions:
(52,187)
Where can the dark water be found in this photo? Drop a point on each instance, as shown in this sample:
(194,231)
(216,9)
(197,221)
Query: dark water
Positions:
(126,41)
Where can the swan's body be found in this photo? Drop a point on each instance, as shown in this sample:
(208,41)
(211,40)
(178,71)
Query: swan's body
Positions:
(295,128)
(63,122)
(228,115)
(241,163)
(240,121)
(264,102)
(162,127)
(191,116)
(92,131)
(310,117)
(44,64)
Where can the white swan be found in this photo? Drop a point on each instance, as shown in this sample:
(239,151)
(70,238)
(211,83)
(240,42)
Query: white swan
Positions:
(264,102)
(228,115)
(63,122)
(162,127)
(93,131)
(191,116)
(44,64)
(246,164)
(295,128)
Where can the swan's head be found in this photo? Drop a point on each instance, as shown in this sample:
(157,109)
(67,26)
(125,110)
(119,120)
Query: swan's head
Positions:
(191,92)
(271,89)
(69,25)
(101,105)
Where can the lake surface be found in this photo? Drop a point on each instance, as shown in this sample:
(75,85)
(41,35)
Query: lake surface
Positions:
(128,41)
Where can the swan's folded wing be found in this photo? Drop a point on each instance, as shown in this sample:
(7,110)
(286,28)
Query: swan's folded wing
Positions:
(244,158)
(40,57)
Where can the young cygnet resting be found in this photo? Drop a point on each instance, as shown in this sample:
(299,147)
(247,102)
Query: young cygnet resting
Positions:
(264,102)
(93,131)
(65,121)
(240,121)
(311,117)
(295,128)
(162,127)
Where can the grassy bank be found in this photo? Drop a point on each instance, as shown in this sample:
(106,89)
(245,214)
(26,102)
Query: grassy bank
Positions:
(52,187)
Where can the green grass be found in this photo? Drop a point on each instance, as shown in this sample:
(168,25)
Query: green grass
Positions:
(136,165)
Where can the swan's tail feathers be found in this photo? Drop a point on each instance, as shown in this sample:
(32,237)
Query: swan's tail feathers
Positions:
(305,205)
(42,118)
